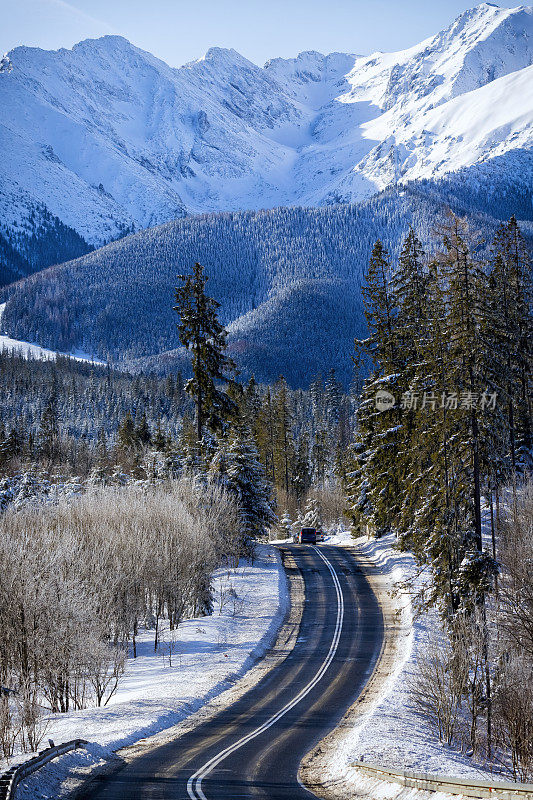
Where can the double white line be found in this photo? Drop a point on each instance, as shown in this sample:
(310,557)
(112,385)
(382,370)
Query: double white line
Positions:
(194,784)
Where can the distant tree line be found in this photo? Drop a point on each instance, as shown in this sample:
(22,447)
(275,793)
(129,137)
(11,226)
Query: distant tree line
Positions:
(70,419)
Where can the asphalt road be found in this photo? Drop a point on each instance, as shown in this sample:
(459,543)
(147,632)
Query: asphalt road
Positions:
(253,748)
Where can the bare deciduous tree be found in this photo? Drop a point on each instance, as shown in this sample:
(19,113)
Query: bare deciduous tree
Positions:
(80,576)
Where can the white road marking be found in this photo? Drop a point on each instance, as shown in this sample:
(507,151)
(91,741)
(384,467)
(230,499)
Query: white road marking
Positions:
(194,784)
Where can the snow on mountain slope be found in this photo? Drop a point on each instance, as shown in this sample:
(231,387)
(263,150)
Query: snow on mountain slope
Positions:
(458,99)
(312,78)
(109,138)
(128,139)
(469,129)
(482,44)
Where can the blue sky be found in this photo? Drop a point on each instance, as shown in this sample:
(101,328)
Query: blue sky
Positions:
(181,30)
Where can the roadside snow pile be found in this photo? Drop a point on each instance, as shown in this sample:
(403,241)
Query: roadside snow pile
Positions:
(393,733)
(194,664)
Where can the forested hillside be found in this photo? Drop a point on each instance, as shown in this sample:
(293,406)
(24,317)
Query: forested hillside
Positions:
(36,243)
(288,281)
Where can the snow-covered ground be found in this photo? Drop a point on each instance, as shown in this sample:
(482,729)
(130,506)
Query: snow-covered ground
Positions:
(29,350)
(161,689)
(393,733)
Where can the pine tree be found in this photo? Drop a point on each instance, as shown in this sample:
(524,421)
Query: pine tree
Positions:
(142,432)
(13,445)
(316,390)
(333,397)
(510,315)
(410,285)
(419,468)
(201,332)
(450,435)
(126,435)
(263,429)
(375,475)
(251,404)
(301,474)
(173,459)
(102,453)
(320,455)
(49,441)
(188,444)
(380,311)
(311,518)
(285,526)
(465,280)
(236,464)
(160,440)
(283,450)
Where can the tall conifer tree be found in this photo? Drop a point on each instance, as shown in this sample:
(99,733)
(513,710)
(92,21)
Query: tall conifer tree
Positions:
(203,335)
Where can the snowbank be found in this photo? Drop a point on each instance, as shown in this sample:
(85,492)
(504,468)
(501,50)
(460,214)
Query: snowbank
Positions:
(161,689)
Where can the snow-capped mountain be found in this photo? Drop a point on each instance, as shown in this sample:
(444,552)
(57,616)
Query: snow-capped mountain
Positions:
(107,138)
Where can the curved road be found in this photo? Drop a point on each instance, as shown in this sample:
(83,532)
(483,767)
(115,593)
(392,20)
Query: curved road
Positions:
(253,748)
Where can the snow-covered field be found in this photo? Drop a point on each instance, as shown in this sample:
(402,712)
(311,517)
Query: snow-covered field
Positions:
(29,350)
(161,689)
(393,733)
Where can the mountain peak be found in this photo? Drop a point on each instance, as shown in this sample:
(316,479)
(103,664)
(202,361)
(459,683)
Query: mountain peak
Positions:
(108,38)
(223,56)
(109,42)
(221,52)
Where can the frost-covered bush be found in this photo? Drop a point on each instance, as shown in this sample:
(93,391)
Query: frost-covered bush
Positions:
(82,573)
(283,529)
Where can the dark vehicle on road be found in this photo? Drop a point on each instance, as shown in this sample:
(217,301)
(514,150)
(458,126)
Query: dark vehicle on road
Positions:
(307,536)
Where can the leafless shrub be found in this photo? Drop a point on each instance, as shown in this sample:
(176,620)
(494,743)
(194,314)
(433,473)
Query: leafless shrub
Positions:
(516,586)
(437,688)
(105,668)
(8,728)
(513,714)
(32,721)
